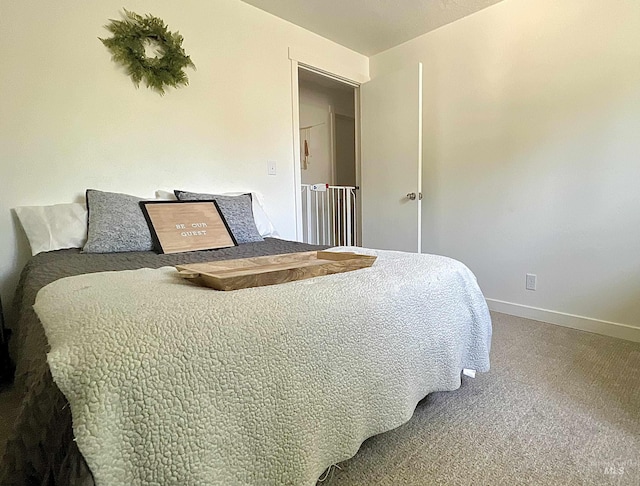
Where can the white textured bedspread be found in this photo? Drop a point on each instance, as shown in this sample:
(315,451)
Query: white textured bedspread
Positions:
(170,383)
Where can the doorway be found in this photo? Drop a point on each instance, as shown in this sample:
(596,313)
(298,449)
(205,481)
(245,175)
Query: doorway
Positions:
(328,159)
(388,152)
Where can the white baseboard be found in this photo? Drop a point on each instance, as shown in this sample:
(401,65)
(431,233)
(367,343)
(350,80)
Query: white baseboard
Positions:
(606,328)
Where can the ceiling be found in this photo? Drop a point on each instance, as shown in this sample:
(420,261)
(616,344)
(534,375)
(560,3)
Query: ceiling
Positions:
(371,26)
(310,78)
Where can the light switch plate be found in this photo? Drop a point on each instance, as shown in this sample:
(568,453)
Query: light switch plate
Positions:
(531,281)
(271,167)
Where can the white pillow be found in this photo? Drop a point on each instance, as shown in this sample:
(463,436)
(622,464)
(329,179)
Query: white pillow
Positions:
(263,223)
(168,195)
(54,227)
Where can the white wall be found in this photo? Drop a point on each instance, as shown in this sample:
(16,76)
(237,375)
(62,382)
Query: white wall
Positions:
(315,113)
(316,104)
(532,151)
(71,119)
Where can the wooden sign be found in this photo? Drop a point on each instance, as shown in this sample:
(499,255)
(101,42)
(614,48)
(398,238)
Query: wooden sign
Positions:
(178,226)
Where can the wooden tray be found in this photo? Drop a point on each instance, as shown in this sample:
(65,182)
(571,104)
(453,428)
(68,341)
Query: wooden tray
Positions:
(270,270)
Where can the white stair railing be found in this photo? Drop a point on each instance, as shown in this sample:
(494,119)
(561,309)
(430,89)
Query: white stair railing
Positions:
(329,215)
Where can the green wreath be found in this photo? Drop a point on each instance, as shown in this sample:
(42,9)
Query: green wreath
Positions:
(127,46)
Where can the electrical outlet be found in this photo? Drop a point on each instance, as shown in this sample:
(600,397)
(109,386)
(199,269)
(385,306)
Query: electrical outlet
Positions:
(271,167)
(531,281)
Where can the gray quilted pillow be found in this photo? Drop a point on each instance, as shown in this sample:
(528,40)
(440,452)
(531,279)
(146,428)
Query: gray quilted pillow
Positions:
(236,211)
(116,224)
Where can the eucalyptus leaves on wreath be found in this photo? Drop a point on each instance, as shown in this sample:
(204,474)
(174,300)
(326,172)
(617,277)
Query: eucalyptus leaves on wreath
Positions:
(127,46)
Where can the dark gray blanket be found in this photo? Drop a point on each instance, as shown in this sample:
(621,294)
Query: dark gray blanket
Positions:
(41,449)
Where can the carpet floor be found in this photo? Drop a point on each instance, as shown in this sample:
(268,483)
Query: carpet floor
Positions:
(559,407)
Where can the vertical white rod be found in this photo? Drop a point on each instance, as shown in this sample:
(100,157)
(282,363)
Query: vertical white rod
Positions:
(347,195)
(353,217)
(305,214)
(342,220)
(317,240)
(330,217)
(337,221)
(356,242)
(325,218)
(348,198)
(333,217)
(339,217)
(339,238)
(308,215)
(303,211)
(320,217)
(346,216)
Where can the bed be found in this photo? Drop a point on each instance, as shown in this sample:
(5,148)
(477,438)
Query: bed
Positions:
(171,383)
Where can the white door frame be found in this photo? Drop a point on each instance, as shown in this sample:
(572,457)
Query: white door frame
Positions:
(332,141)
(307,62)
